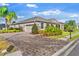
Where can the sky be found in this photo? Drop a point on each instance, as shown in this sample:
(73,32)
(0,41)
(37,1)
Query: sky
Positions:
(60,11)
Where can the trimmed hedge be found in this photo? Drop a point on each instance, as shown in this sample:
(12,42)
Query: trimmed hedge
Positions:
(10,30)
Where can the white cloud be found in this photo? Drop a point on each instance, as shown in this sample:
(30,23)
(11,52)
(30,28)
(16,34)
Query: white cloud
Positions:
(20,16)
(48,12)
(63,20)
(56,11)
(74,15)
(62,15)
(34,13)
(32,5)
(5,4)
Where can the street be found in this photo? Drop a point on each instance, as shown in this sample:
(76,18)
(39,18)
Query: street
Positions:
(75,51)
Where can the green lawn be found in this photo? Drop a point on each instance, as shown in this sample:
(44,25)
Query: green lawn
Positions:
(64,34)
(74,37)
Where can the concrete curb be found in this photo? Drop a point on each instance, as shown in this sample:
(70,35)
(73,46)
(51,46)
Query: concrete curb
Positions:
(64,49)
(70,50)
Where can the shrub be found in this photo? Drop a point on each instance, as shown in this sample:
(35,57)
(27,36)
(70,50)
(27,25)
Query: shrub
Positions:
(34,29)
(47,25)
(40,31)
(10,30)
(10,48)
(50,31)
(15,29)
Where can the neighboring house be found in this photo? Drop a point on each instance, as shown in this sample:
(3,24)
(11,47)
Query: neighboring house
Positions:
(2,26)
(41,23)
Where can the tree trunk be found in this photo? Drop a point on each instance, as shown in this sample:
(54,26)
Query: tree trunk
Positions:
(6,25)
(70,35)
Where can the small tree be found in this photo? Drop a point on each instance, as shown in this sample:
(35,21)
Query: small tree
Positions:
(34,29)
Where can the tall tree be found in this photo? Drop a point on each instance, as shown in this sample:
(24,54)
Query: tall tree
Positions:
(5,13)
(70,25)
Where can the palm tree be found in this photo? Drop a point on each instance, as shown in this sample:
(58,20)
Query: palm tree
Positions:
(3,11)
(7,15)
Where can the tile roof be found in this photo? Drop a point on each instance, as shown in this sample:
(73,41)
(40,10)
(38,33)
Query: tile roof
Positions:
(37,18)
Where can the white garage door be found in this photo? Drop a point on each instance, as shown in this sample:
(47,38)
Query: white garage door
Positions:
(28,29)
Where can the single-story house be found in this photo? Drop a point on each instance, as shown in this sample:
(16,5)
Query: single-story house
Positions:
(41,23)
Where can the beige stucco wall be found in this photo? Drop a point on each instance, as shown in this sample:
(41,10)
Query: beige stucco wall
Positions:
(28,28)
(38,24)
(16,26)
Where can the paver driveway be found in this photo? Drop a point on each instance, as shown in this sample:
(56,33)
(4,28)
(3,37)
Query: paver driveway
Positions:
(33,44)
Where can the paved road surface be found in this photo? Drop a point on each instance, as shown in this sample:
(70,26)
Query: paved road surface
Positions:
(75,51)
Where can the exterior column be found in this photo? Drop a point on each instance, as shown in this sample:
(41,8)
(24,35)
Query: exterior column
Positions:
(61,26)
(44,25)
